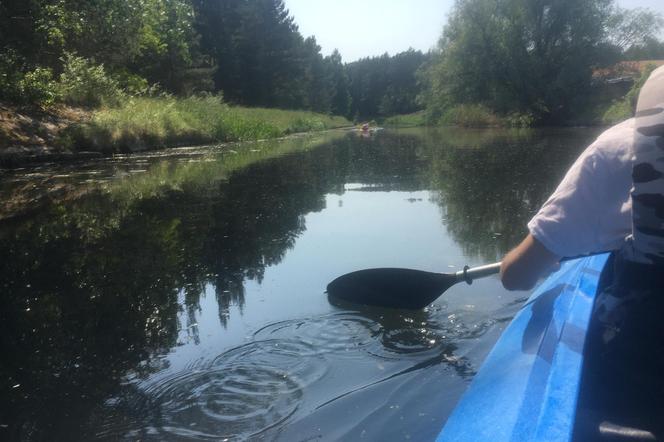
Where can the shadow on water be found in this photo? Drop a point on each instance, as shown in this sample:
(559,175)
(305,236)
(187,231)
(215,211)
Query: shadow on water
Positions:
(97,276)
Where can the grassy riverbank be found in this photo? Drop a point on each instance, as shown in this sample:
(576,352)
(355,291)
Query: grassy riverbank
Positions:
(416,119)
(149,123)
(478,116)
(463,115)
(144,124)
(612,101)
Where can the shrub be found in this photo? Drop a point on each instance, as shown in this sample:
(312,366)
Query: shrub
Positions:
(37,87)
(134,84)
(419,118)
(305,124)
(10,76)
(633,95)
(32,87)
(518,119)
(624,109)
(618,111)
(469,115)
(83,83)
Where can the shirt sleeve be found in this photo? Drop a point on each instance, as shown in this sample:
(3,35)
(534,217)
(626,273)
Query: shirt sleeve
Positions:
(587,213)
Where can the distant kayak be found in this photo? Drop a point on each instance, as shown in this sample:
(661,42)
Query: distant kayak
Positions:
(362,130)
(528,387)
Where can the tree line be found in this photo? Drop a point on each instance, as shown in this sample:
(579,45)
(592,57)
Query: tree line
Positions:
(522,57)
(251,51)
(534,57)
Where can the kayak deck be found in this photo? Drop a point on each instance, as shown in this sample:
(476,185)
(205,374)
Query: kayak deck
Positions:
(527,389)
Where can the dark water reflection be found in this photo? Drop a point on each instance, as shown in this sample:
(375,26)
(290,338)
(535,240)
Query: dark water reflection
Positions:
(180,296)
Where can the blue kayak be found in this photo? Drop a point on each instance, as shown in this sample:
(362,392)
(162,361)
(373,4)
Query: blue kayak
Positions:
(528,387)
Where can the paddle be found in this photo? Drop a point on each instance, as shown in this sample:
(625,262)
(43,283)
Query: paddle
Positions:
(401,288)
(406,288)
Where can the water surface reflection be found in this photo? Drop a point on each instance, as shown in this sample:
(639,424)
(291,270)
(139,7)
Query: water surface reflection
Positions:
(180,296)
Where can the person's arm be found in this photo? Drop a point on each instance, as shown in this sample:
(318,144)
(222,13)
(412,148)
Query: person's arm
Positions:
(523,266)
(586,213)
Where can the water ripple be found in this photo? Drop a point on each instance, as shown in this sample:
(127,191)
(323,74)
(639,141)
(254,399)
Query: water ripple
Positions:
(339,334)
(385,336)
(259,386)
(241,393)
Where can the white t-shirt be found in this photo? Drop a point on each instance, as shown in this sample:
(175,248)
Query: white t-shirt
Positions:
(590,211)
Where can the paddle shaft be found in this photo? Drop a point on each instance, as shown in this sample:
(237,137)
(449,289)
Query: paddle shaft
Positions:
(469,274)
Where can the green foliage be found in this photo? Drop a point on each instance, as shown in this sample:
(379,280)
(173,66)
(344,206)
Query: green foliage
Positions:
(252,52)
(261,59)
(633,27)
(133,84)
(477,115)
(82,83)
(528,62)
(169,48)
(382,86)
(519,119)
(528,57)
(340,83)
(93,29)
(9,77)
(470,115)
(623,109)
(633,94)
(618,111)
(286,121)
(650,49)
(154,39)
(38,87)
(408,120)
(32,87)
(142,123)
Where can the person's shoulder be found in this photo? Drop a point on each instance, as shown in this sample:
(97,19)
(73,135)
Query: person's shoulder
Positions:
(623,131)
(615,142)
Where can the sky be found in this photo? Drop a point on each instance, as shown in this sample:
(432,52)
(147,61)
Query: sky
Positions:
(364,28)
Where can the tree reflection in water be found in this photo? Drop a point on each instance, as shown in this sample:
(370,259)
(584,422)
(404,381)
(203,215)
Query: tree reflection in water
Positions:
(490,183)
(93,282)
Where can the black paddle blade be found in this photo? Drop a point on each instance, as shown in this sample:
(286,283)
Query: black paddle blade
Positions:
(393,288)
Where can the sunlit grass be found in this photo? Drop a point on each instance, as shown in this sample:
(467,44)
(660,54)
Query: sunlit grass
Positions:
(478,116)
(618,111)
(148,123)
(415,119)
(470,115)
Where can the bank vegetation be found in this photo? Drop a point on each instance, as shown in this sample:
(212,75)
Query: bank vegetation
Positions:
(142,74)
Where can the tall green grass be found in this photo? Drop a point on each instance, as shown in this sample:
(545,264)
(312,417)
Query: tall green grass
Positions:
(618,111)
(624,109)
(149,123)
(415,119)
(470,115)
(477,115)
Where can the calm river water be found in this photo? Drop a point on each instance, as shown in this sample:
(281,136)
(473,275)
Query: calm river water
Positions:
(180,295)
